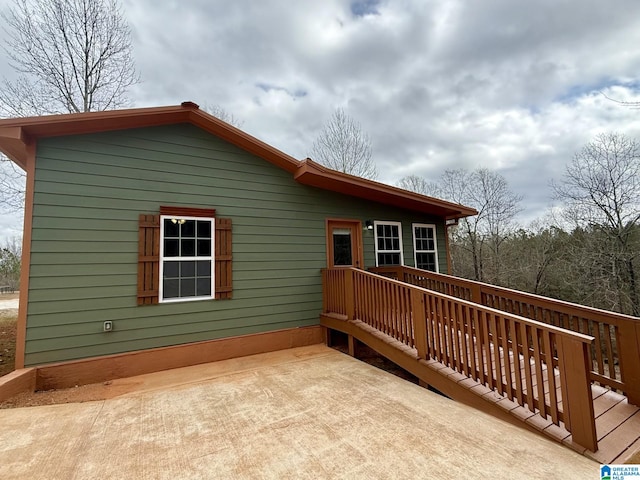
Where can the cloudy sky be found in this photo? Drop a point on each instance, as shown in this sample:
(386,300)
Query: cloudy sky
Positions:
(516,87)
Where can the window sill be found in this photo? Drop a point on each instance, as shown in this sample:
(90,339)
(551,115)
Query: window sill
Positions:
(185,299)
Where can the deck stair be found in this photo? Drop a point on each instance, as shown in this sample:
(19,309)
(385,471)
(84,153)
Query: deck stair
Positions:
(530,373)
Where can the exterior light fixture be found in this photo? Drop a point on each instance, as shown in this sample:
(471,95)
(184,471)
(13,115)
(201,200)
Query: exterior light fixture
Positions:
(368,225)
(179,221)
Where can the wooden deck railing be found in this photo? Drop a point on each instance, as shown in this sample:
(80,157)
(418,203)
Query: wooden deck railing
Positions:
(515,356)
(614,354)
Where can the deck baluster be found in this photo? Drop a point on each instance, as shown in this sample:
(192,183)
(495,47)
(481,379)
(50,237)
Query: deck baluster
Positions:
(512,355)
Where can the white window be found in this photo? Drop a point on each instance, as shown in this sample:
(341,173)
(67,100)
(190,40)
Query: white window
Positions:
(388,239)
(186,258)
(424,247)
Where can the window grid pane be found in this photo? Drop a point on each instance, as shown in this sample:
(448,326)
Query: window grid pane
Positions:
(389,244)
(386,259)
(426,261)
(186,278)
(187,258)
(425,247)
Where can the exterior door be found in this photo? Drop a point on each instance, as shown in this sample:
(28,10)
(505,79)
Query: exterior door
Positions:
(344,243)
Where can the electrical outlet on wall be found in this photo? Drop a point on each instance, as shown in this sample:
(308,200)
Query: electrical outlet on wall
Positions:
(108,326)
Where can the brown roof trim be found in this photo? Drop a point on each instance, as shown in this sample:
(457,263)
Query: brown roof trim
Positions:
(316,175)
(13,143)
(32,128)
(17,133)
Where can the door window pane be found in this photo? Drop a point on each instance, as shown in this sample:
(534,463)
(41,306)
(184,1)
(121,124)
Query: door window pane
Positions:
(342,254)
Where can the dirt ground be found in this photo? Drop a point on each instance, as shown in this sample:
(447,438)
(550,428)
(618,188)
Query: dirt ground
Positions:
(84,393)
(8,318)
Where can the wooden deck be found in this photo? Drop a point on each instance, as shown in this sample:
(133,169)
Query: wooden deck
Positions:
(617,425)
(467,351)
(616,337)
(617,422)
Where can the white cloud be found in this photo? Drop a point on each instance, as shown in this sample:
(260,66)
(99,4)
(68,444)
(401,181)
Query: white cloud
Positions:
(437,84)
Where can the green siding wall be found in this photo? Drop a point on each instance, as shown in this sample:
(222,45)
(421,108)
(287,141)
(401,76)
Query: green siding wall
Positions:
(90,190)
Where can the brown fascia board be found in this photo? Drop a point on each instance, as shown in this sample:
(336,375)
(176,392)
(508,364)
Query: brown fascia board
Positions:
(33,128)
(313,174)
(17,133)
(244,140)
(93,122)
(14,144)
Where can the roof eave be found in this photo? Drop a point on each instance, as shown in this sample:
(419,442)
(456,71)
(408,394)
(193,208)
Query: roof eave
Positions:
(243,140)
(14,141)
(17,134)
(312,174)
(14,133)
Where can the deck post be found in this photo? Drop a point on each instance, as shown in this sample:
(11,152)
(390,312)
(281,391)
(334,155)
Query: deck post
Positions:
(349,294)
(575,365)
(476,293)
(628,348)
(326,333)
(419,311)
(351,345)
(325,288)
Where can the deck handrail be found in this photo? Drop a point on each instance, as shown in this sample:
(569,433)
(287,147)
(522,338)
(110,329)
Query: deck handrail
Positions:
(505,352)
(614,354)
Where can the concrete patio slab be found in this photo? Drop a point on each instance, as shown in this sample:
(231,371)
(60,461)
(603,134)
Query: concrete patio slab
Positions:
(310,412)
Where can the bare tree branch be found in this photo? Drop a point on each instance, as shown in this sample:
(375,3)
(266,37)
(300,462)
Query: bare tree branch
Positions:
(12,186)
(219,112)
(77,53)
(477,240)
(482,235)
(601,192)
(70,56)
(417,184)
(343,146)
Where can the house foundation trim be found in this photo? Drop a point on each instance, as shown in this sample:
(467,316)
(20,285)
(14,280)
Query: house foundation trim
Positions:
(110,367)
(18,381)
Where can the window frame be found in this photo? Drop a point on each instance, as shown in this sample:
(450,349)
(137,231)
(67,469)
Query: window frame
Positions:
(375,240)
(211,258)
(435,244)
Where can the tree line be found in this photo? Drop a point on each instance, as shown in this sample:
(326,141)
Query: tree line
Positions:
(586,252)
(10,260)
(579,265)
